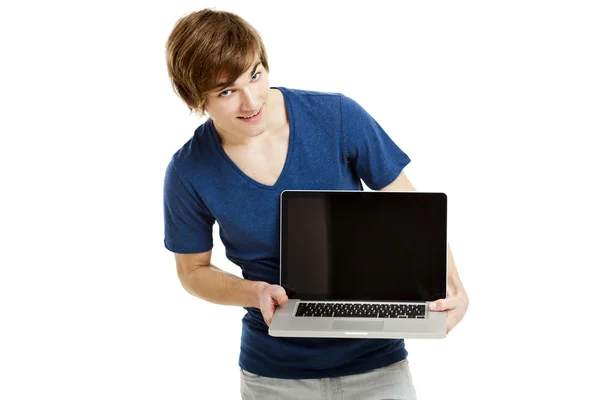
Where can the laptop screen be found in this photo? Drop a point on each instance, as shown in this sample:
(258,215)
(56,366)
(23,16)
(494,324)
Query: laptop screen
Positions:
(370,246)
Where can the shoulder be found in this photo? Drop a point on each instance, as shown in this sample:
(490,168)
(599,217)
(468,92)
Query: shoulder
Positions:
(197,151)
(310,96)
(318,104)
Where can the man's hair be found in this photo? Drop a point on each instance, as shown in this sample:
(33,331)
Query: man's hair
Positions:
(206,46)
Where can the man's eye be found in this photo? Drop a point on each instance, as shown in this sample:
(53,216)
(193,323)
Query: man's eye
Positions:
(256,76)
(225,93)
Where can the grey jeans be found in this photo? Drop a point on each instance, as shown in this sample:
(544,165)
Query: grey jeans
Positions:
(391,382)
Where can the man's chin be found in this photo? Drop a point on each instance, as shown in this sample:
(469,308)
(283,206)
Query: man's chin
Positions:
(256,133)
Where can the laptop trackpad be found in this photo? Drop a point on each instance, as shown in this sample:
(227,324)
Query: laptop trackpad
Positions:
(346,325)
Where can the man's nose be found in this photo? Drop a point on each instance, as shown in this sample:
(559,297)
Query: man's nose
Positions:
(248,100)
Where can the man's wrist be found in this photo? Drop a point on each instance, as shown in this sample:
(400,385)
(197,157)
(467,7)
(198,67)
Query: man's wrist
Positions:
(257,288)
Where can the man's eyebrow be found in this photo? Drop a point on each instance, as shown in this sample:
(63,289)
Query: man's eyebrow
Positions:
(255,68)
(222,85)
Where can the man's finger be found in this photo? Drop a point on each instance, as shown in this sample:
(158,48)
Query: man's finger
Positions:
(277,291)
(278,294)
(450,323)
(268,316)
(444,304)
(268,312)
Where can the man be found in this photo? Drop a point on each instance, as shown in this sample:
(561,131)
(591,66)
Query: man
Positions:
(258,142)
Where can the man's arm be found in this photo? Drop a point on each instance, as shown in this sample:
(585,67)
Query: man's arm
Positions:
(204,280)
(457,301)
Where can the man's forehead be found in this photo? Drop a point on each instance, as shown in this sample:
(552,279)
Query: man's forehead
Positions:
(225,80)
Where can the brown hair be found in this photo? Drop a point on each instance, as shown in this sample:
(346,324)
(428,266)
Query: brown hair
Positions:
(206,45)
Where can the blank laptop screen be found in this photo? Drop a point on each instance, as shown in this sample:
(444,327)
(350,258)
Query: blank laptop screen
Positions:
(372,246)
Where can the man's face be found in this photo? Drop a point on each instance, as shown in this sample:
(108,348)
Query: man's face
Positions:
(240,109)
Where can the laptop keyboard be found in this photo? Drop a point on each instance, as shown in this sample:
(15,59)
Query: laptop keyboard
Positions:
(360,310)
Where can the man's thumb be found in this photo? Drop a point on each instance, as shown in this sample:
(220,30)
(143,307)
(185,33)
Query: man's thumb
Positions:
(279,295)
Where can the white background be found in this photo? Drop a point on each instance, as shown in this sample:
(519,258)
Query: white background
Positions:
(497,104)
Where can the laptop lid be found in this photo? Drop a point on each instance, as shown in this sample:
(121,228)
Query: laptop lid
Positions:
(367,246)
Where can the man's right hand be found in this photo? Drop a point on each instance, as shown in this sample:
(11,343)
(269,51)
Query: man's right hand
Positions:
(269,298)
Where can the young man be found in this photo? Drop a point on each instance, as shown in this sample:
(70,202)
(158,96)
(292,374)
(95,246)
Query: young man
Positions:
(258,142)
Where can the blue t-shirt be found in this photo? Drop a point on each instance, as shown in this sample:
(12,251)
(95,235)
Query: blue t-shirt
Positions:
(333,143)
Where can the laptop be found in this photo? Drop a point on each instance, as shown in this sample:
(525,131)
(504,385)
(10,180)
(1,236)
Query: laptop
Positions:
(359,264)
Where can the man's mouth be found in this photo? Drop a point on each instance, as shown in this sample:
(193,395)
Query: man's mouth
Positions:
(251,116)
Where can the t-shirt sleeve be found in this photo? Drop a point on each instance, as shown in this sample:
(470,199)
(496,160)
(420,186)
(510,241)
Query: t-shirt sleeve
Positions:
(375,157)
(188,223)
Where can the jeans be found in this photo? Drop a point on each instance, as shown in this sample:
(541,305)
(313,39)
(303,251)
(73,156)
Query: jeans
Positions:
(391,382)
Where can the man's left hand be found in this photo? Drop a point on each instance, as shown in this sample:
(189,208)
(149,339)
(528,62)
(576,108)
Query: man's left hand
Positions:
(455,307)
